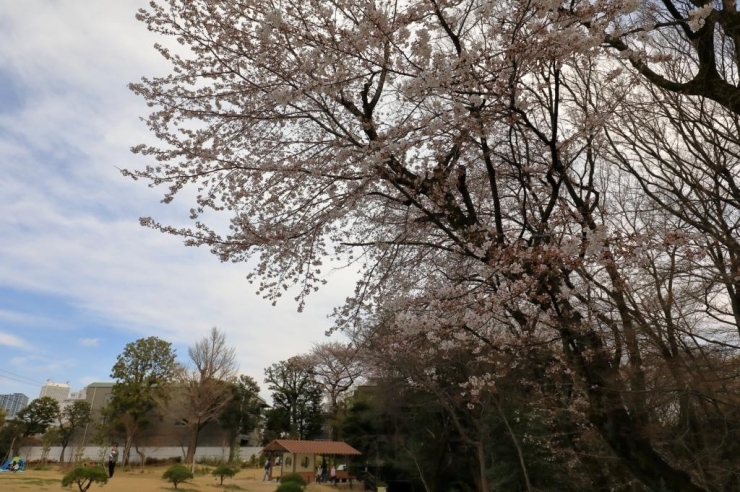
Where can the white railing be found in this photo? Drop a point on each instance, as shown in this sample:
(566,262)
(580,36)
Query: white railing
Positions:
(95,453)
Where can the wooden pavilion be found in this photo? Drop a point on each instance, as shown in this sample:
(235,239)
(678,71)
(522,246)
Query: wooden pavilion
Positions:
(300,456)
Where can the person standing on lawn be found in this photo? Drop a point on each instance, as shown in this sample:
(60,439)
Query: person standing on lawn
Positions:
(112,459)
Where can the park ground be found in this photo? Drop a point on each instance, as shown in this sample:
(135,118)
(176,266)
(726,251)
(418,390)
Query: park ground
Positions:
(150,480)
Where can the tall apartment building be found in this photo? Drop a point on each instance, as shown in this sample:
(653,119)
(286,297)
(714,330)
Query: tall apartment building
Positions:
(58,391)
(13,403)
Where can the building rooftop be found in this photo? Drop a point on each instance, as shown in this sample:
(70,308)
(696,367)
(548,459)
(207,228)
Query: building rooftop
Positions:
(101,385)
(310,447)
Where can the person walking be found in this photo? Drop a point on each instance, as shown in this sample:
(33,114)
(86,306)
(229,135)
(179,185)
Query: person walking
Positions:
(268,466)
(112,460)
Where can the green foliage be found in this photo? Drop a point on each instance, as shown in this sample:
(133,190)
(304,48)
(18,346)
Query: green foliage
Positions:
(294,477)
(10,438)
(296,401)
(177,474)
(145,367)
(289,487)
(73,417)
(38,415)
(361,427)
(146,362)
(49,439)
(243,413)
(224,471)
(142,372)
(2,418)
(84,476)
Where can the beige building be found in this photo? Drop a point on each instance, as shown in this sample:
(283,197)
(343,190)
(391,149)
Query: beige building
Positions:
(165,431)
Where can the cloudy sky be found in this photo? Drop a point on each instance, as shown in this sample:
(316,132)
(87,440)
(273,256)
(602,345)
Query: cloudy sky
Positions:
(79,277)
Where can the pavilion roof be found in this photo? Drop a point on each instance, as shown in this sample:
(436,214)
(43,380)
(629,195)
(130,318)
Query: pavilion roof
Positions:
(310,447)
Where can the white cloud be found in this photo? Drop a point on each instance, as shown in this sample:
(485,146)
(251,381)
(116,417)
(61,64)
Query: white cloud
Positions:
(23,319)
(10,340)
(42,364)
(89,342)
(70,220)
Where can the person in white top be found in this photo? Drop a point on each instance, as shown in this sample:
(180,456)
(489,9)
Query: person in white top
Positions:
(112,460)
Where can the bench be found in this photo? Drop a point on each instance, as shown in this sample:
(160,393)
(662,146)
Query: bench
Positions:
(344,476)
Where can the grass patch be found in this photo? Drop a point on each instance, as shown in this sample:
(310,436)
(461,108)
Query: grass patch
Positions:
(23,481)
(233,486)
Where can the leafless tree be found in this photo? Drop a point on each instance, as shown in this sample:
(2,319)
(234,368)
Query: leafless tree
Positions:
(337,368)
(202,389)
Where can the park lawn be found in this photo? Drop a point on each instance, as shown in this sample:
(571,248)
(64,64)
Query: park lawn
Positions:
(135,481)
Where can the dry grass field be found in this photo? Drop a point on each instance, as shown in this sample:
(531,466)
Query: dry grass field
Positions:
(149,481)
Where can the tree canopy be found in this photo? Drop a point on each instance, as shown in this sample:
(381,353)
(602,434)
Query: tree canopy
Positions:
(75,416)
(243,413)
(142,374)
(38,415)
(296,402)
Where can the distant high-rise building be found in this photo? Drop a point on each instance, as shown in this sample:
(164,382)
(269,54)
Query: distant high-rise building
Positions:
(13,403)
(58,391)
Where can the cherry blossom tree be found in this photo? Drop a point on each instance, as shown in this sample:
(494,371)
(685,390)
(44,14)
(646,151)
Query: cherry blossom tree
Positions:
(457,151)
(701,36)
(337,368)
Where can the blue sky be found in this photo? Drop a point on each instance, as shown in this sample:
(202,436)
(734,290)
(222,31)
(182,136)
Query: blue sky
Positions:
(79,277)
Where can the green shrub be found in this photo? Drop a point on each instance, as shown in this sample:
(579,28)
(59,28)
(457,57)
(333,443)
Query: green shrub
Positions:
(84,476)
(294,477)
(177,474)
(290,487)
(224,471)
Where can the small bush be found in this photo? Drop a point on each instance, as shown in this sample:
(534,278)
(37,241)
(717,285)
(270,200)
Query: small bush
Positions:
(294,477)
(290,487)
(177,474)
(224,471)
(85,476)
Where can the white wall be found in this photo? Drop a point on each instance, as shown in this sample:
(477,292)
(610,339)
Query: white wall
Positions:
(95,453)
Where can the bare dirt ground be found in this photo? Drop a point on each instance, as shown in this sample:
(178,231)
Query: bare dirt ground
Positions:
(149,481)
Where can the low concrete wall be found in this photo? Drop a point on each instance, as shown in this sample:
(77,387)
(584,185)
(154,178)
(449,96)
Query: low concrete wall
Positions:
(96,453)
